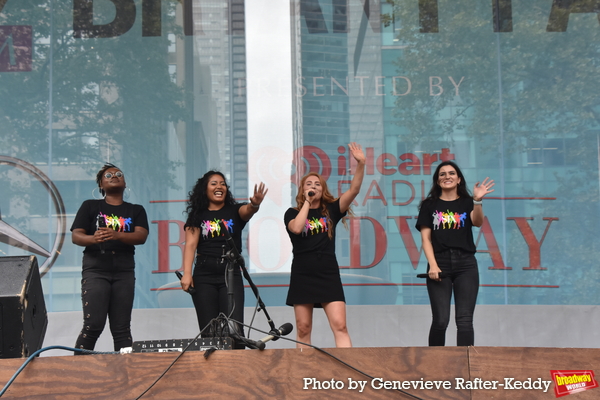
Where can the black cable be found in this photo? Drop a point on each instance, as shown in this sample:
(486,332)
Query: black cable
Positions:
(175,360)
(216,321)
(351,367)
(335,358)
(219,330)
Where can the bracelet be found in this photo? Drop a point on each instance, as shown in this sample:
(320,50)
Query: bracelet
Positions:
(254,206)
(477,202)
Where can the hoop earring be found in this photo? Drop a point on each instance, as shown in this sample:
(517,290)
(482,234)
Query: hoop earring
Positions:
(97,190)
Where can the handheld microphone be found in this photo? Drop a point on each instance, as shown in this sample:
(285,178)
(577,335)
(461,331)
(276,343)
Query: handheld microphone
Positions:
(101,223)
(275,334)
(441,275)
(311,193)
(191,289)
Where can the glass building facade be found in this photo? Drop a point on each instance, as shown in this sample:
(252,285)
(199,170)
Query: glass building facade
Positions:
(507,89)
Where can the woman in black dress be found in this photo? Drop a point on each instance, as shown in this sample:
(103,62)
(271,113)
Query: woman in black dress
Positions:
(315,277)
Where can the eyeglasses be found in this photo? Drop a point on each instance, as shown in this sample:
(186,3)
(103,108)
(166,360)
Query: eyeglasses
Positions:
(117,174)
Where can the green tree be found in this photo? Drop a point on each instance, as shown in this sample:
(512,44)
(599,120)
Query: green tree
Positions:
(522,93)
(107,98)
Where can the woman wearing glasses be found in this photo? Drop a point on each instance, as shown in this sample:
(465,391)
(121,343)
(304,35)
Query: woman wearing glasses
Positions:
(109,229)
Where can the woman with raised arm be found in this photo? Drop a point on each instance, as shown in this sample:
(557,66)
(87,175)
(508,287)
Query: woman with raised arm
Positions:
(446,218)
(315,278)
(210,205)
(108,229)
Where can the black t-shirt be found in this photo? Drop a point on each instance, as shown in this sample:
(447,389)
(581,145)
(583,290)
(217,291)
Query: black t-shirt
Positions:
(314,236)
(212,237)
(124,218)
(450,223)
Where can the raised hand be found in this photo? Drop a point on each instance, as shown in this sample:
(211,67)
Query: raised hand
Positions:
(260,191)
(357,152)
(480,190)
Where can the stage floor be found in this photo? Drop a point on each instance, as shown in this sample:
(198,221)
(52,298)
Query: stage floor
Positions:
(416,372)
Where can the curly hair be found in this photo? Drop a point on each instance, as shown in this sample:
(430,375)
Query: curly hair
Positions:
(326,199)
(100,174)
(198,198)
(436,189)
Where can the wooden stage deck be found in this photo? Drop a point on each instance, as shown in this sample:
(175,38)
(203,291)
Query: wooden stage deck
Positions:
(303,374)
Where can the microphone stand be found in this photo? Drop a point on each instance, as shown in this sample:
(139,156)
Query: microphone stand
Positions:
(233,258)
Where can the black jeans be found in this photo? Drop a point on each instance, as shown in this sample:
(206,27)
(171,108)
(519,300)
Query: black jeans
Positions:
(211,297)
(462,278)
(107,289)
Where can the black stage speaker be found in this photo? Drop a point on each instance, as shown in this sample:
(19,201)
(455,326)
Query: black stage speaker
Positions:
(23,317)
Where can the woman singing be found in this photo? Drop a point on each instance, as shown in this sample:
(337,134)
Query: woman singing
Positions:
(210,205)
(446,218)
(108,229)
(315,278)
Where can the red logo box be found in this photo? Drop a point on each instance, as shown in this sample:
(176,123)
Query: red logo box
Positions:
(573,381)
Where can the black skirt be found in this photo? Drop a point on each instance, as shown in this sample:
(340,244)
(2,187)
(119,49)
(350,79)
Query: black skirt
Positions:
(315,279)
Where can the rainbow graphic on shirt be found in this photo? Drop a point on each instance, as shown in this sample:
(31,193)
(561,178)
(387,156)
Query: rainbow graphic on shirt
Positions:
(314,226)
(119,224)
(448,220)
(213,228)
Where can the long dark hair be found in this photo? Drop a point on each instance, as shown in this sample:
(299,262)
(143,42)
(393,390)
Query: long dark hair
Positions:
(198,199)
(436,190)
(100,174)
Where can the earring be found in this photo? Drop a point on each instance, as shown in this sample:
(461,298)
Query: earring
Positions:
(127,193)
(97,190)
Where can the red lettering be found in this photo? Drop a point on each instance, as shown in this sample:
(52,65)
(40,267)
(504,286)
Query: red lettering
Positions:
(414,254)
(164,246)
(446,155)
(355,234)
(369,167)
(384,161)
(412,166)
(342,161)
(535,258)
(428,159)
(412,193)
(310,159)
(380,196)
(492,245)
